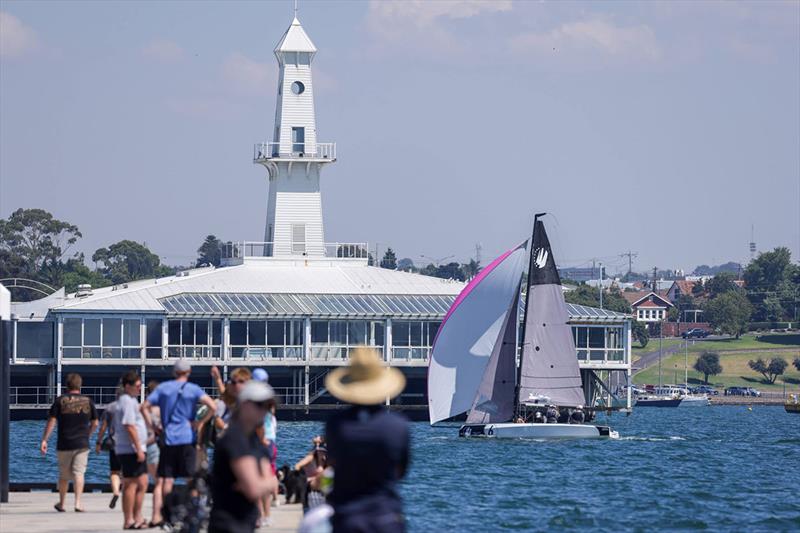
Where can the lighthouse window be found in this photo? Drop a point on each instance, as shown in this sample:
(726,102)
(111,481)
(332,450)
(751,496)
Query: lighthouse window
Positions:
(298,87)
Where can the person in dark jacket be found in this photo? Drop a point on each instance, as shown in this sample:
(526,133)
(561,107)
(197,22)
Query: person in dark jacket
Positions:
(368,447)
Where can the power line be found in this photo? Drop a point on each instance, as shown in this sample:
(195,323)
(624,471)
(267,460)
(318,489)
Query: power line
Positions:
(630,255)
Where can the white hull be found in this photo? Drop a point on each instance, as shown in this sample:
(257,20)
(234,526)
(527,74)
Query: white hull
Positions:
(694,401)
(537,431)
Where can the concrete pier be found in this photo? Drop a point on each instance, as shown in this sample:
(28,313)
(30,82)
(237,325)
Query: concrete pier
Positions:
(32,512)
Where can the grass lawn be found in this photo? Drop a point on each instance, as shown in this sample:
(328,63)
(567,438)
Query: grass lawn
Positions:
(735,371)
(745,342)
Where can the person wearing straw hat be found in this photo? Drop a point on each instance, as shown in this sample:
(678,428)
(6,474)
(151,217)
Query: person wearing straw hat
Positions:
(368,446)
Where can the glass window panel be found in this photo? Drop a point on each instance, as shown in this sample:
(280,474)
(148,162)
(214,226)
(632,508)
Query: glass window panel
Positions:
(112,332)
(433,328)
(378,334)
(130,332)
(72,332)
(216,332)
(256,303)
(243,305)
(35,339)
(583,336)
(256,332)
(238,332)
(201,332)
(91,332)
(275,335)
(400,333)
(237,352)
(338,332)
(187,332)
(72,352)
(416,333)
(597,338)
(357,333)
(319,332)
(295,336)
(173,332)
(226,300)
(153,353)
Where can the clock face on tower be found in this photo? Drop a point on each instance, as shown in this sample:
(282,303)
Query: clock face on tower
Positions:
(298,87)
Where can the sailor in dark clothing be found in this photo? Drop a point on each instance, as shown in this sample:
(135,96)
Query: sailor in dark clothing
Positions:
(552,414)
(368,447)
(577,416)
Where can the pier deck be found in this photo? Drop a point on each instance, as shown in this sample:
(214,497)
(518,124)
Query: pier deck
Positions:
(32,512)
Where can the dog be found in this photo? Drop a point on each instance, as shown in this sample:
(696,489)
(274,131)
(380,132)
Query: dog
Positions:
(295,484)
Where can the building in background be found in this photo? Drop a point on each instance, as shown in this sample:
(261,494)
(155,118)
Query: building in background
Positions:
(292,304)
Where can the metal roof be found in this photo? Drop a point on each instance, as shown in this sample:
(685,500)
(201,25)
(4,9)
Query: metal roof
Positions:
(584,313)
(351,305)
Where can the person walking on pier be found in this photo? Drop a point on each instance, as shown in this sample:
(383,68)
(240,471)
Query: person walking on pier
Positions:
(177,401)
(106,443)
(241,474)
(130,435)
(368,446)
(77,419)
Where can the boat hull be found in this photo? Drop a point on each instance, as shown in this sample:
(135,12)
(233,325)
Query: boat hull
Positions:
(660,402)
(694,401)
(792,407)
(537,431)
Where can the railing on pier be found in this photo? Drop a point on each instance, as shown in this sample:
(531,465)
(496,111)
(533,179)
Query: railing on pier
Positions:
(343,250)
(272,150)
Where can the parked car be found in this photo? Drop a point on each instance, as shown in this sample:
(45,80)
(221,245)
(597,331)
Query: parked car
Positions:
(695,333)
(705,389)
(742,391)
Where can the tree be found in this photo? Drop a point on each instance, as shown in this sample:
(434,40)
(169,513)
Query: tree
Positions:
(37,240)
(127,261)
(639,331)
(471,269)
(406,265)
(210,252)
(770,371)
(729,312)
(772,283)
(708,365)
(389,260)
(720,284)
(698,289)
(796,363)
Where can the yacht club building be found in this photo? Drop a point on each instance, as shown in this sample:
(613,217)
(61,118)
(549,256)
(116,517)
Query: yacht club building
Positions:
(293,304)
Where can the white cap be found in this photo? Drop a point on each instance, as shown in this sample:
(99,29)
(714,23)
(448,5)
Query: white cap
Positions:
(256,391)
(182,365)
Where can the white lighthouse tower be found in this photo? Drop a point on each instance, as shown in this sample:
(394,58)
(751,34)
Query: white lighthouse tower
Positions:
(294,158)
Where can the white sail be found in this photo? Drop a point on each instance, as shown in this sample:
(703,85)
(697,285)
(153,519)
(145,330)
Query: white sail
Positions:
(468,335)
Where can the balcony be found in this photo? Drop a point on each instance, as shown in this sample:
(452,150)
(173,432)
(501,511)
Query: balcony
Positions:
(341,250)
(325,152)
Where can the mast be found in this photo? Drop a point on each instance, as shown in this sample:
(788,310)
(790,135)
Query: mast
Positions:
(527,308)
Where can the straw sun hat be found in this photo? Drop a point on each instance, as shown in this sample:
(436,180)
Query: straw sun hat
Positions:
(367,381)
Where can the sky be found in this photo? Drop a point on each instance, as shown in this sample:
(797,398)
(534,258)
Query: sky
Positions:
(670,129)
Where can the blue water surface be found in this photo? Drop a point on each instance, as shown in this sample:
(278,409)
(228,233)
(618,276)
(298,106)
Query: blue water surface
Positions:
(716,468)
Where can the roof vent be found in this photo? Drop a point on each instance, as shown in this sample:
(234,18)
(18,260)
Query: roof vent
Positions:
(84,289)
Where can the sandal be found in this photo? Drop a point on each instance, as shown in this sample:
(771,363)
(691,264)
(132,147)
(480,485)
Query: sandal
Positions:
(80,510)
(152,524)
(58,508)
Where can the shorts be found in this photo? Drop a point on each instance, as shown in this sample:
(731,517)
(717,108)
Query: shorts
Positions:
(72,463)
(153,453)
(113,462)
(177,461)
(130,466)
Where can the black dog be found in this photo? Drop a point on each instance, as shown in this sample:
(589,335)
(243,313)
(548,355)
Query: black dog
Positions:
(295,484)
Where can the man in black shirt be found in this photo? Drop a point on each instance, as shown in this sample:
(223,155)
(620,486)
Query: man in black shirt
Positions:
(77,419)
(368,447)
(241,474)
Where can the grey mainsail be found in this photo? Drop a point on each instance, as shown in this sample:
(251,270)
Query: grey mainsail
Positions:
(549,366)
(494,401)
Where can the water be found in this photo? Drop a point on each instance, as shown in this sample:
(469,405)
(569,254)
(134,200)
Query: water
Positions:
(719,468)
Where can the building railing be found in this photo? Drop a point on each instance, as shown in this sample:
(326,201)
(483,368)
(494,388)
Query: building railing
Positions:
(269,353)
(242,249)
(272,150)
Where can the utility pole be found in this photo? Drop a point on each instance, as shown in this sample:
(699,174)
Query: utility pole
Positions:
(601,285)
(478,250)
(630,255)
(655,273)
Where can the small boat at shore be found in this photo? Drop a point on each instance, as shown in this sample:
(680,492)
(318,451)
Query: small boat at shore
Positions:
(658,401)
(792,404)
(473,366)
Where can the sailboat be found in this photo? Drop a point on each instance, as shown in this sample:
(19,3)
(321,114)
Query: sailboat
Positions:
(473,366)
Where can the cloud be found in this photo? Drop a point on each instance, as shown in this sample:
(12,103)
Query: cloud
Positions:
(590,39)
(248,75)
(16,39)
(420,23)
(163,51)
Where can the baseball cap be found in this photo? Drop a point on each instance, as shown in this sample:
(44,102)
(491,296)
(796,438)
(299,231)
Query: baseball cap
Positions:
(182,365)
(256,391)
(259,374)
